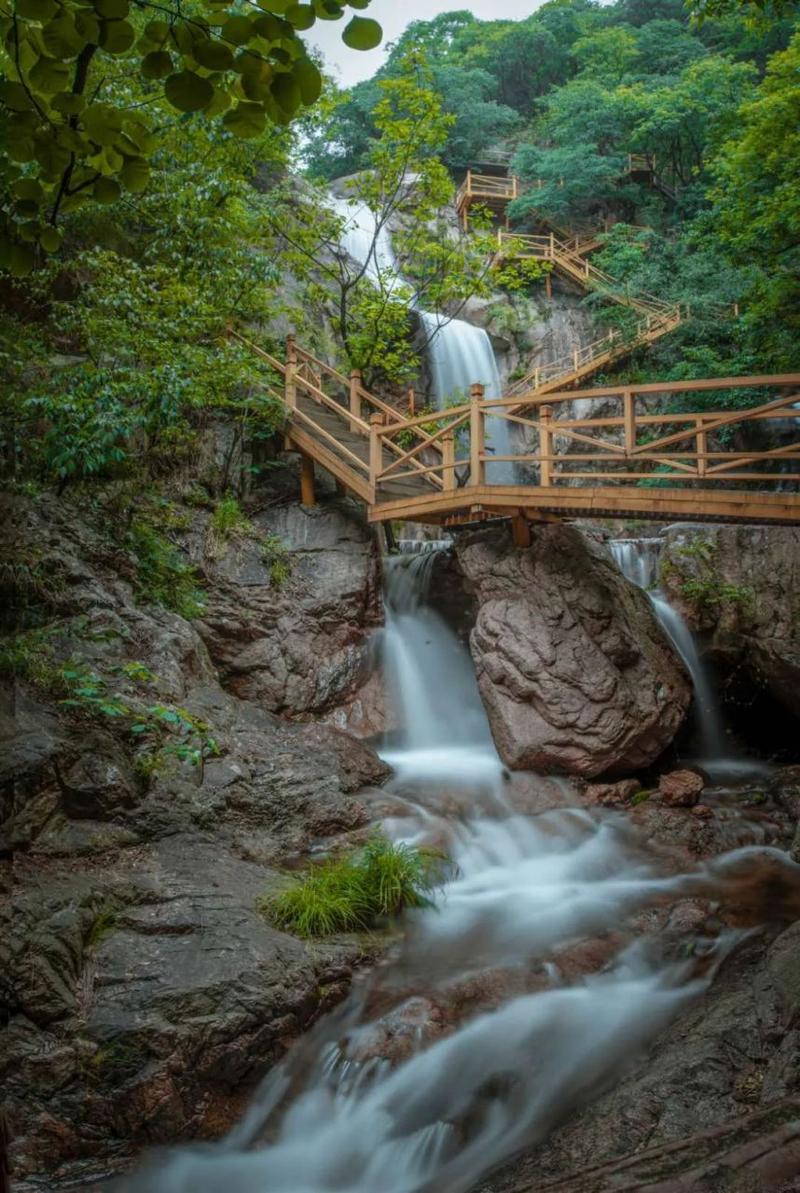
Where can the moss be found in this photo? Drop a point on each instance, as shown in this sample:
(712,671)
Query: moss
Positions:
(102,927)
(640,797)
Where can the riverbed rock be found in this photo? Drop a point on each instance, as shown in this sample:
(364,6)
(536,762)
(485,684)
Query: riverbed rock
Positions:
(573,668)
(612,795)
(680,788)
(740,585)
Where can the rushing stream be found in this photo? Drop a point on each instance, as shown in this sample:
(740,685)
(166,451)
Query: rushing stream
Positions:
(459,352)
(418,1084)
(638,560)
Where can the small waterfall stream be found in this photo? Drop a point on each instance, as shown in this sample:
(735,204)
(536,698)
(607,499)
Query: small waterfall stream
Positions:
(638,560)
(353,1110)
(459,352)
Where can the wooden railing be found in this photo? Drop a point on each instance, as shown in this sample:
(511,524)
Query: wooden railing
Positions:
(629,445)
(488,186)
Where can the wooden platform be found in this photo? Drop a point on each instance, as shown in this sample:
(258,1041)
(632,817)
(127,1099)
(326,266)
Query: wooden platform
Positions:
(635,460)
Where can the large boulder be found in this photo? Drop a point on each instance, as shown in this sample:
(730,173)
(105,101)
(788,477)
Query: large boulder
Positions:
(741,585)
(574,670)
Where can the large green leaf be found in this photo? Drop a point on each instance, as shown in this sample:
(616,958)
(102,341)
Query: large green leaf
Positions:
(157,64)
(117,37)
(245,120)
(301,16)
(286,93)
(36,10)
(135,174)
(237,30)
(213,55)
(49,75)
(362,33)
(106,190)
(309,80)
(112,9)
(187,91)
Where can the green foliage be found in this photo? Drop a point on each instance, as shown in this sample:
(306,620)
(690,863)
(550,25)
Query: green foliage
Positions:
(276,556)
(162,575)
(88,90)
(228,519)
(352,894)
(710,592)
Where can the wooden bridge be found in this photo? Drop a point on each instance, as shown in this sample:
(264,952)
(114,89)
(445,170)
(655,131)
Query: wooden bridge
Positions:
(634,459)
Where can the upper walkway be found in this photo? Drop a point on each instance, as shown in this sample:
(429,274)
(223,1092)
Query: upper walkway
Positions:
(636,454)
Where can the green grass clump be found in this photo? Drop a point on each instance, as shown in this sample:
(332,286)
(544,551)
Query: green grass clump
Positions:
(229,519)
(162,575)
(352,894)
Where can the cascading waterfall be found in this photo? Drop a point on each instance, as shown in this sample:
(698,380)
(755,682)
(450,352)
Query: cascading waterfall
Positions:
(459,353)
(345,1111)
(638,561)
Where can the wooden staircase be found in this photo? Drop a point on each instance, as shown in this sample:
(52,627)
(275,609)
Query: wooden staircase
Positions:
(656,318)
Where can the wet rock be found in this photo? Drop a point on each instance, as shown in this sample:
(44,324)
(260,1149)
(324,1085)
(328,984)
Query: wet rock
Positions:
(612,795)
(741,585)
(99,783)
(574,670)
(680,788)
(303,646)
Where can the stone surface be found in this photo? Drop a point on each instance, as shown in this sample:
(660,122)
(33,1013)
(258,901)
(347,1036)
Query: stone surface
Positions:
(304,646)
(611,795)
(575,673)
(741,586)
(680,788)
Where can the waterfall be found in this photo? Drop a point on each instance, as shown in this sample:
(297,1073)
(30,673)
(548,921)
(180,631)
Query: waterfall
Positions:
(638,561)
(459,353)
(348,1110)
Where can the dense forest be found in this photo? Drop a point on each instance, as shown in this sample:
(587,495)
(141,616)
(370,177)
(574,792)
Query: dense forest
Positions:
(158,217)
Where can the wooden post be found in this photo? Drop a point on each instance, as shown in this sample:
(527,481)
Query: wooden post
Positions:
(629,420)
(545,446)
(355,396)
(575,358)
(552,247)
(448,442)
(520,530)
(307,496)
(702,448)
(548,284)
(290,387)
(376,422)
(476,435)
(412,403)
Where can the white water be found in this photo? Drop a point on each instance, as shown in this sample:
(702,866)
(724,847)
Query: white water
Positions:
(459,353)
(638,560)
(347,1111)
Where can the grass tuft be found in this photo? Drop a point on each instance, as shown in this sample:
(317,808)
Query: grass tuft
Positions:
(352,894)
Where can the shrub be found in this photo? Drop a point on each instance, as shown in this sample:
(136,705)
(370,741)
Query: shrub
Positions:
(354,893)
(228,519)
(162,576)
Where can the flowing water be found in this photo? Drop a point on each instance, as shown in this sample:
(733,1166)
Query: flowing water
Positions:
(638,560)
(470,1041)
(459,352)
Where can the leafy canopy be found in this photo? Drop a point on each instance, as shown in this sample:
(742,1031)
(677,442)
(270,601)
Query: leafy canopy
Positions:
(74,134)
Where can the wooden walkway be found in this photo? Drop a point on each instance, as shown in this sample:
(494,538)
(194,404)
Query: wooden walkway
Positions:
(636,460)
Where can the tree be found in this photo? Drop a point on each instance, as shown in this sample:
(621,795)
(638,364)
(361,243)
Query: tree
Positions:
(408,189)
(524,58)
(756,198)
(75,134)
(607,54)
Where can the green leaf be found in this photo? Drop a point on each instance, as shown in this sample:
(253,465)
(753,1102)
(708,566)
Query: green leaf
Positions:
(245,120)
(213,55)
(102,123)
(88,26)
(301,16)
(362,33)
(21,259)
(237,30)
(157,65)
(135,174)
(36,10)
(117,37)
(61,39)
(286,93)
(106,190)
(50,239)
(328,10)
(48,75)
(68,104)
(112,10)
(187,91)
(28,188)
(309,80)
(15,97)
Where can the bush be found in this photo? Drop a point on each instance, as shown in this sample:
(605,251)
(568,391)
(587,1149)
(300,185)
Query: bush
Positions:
(162,576)
(352,894)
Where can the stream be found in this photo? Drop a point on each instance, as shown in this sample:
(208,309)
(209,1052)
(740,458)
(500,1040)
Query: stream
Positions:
(482,1028)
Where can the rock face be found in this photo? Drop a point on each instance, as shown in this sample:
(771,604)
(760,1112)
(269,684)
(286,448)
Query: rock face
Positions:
(302,647)
(741,585)
(143,992)
(575,672)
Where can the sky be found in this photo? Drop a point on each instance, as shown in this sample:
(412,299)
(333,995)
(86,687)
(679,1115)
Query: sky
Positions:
(350,66)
